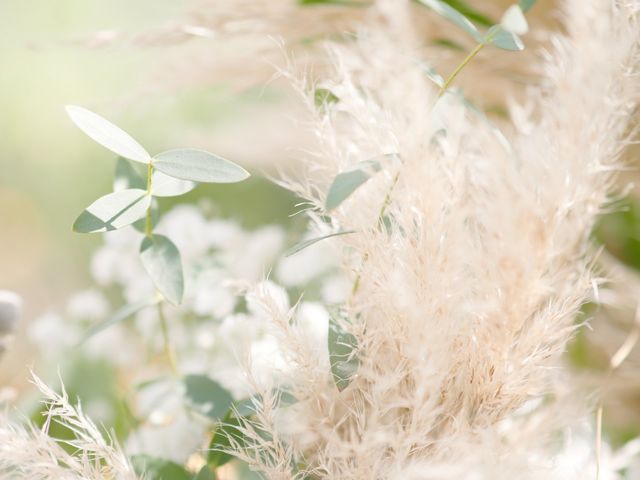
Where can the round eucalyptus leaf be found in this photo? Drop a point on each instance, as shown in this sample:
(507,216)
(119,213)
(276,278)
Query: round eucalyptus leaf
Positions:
(199,166)
(161,259)
(107,134)
(162,185)
(126,176)
(207,397)
(113,211)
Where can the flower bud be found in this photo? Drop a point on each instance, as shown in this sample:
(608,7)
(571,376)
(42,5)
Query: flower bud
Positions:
(10,311)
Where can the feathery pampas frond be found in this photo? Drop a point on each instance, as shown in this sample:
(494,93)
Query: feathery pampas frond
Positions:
(31,453)
(470,261)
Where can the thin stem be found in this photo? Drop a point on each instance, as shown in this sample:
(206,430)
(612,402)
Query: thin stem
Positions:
(387,198)
(383,208)
(168,348)
(459,68)
(148,225)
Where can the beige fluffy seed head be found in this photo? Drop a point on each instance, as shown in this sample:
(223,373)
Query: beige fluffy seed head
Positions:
(466,302)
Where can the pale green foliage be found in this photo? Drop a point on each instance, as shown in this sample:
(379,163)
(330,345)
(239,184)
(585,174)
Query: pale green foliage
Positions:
(113,211)
(347,182)
(199,166)
(161,259)
(207,397)
(107,134)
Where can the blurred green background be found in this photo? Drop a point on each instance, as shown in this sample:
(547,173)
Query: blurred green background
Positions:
(49,171)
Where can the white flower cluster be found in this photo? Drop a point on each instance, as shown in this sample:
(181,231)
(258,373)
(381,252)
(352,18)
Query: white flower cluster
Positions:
(218,330)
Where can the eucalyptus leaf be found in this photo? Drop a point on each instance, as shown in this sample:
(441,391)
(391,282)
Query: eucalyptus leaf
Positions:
(158,468)
(221,441)
(432,74)
(514,21)
(526,5)
(207,397)
(126,176)
(468,11)
(113,211)
(199,166)
(324,96)
(119,316)
(107,134)
(307,243)
(161,259)
(499,37)
(454,16)
(346,183)
(163,185)
(342,354)
(205,473)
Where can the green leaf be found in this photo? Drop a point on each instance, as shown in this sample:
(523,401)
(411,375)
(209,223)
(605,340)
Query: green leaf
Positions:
(107,134)
(324,96)
(161,259)
(454,16)
(113,211)
(307,243)
(500,38)
(163,185)
(126,176)
(205,473)
(158,469)
(448,43)
(342,354)
(432,74)
(526,5)
(119,316)
(468,11)
(348,182)
(207,397)
(199,166)
(221,441)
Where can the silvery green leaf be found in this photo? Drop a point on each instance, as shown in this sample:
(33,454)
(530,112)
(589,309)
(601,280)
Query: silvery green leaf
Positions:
(119,316)
(126,176)
(526,5)
(342,354)
(113,211)
(10,311)
(221,441)
(207,397)
(432,74)
(199,166)
(454,16)
(163,185)
(346,183)
(205,473)
(500,38)
(307,243)
(107,134)
(161,259)
(513,21)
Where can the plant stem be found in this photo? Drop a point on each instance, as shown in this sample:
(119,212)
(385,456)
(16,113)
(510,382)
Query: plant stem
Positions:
(168,348)
(148,225)
(459,68)
(148,231)
(394,182)
(383,208)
